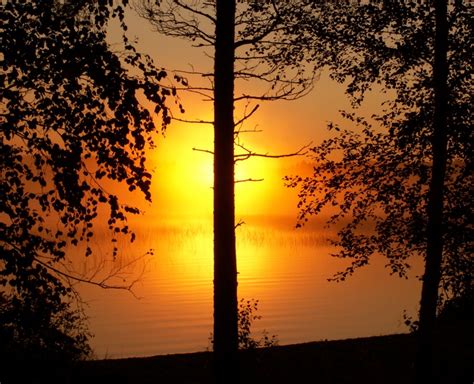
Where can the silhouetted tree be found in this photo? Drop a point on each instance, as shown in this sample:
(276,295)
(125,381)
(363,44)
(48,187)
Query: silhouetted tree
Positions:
(231,33)
(225,260)
(434,241)
(405,183)
(70,119)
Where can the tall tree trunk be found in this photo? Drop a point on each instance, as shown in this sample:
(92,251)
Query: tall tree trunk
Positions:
(225,265)
(434,252)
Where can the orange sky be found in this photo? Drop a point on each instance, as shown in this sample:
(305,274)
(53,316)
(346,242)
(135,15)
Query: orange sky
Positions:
(182,178)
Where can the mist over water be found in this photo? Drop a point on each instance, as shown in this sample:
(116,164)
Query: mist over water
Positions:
(284,268)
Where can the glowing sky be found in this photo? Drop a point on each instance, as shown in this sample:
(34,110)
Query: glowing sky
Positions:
(182,181)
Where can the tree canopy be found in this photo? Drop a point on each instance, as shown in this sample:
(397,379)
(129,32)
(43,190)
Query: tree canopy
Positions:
(71,118)
(377,174)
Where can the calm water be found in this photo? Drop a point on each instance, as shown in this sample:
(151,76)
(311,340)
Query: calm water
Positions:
(285,269)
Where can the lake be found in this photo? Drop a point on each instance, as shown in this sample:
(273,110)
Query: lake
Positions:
(170,310)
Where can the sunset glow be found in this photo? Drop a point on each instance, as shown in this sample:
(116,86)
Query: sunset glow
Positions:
(236,191)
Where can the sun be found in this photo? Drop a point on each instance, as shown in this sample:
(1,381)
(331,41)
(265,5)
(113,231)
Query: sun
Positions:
(184,177)
(205,172)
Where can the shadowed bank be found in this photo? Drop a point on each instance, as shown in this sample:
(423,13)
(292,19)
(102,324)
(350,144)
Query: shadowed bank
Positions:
(384,359)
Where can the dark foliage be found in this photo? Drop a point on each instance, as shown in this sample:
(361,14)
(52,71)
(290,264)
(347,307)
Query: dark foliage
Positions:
(458,310)
(40,334)
(377,174)
(70,121)
(246,318)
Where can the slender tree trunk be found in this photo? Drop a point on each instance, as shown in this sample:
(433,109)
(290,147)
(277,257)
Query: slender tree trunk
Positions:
(434,252)
(225,265)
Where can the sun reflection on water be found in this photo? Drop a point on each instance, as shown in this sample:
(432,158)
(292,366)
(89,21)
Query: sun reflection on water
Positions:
(285,269)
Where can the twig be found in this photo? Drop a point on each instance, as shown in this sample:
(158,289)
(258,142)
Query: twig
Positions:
(247,115)
(247,180)
(244,156)
(203,150)
(192,121)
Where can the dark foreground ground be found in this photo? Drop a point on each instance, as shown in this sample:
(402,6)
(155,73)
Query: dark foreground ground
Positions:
(381,360)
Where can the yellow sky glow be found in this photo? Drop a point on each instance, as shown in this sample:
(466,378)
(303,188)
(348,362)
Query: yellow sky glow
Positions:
(182,178)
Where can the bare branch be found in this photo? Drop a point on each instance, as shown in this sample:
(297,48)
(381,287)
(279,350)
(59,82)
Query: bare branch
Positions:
(244,156)
(246,116)
(193,72)
(247,180)
(270,76)
(203,150)
(192,121)
(264,34)
(255,130)
(286,95)
(205,96)
(103,283)
(241,222)
(193,89)
(195,11)
(169,18)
